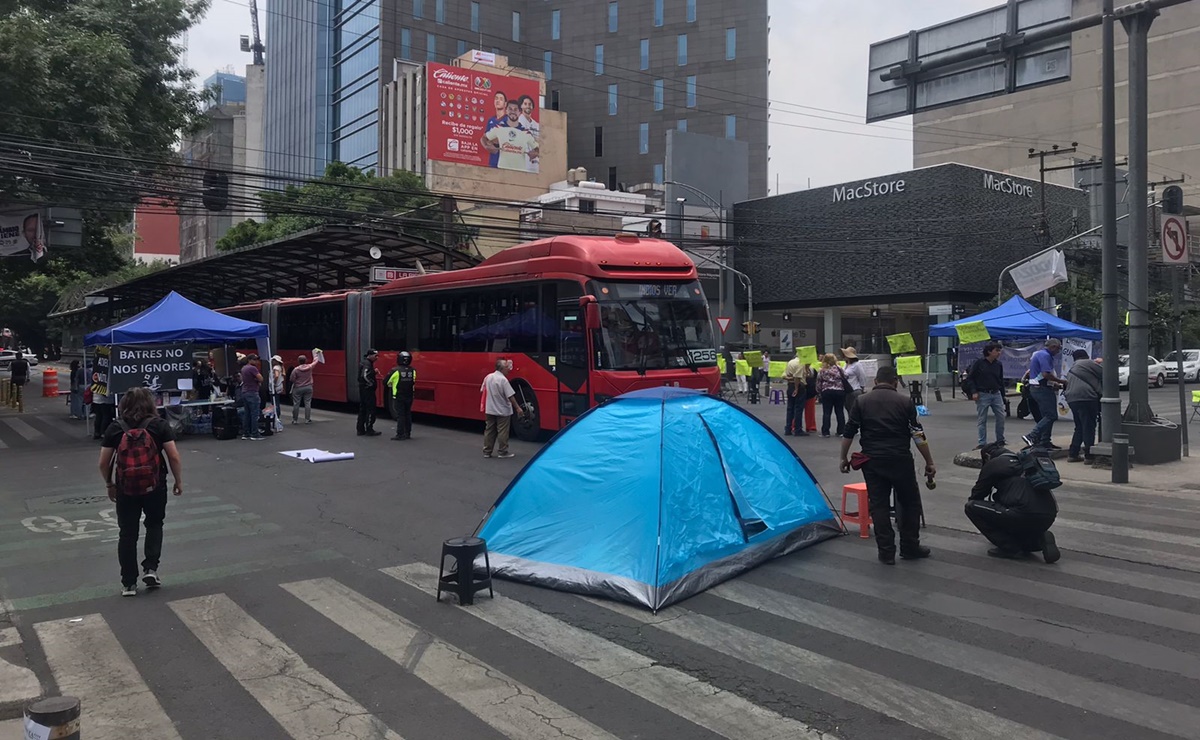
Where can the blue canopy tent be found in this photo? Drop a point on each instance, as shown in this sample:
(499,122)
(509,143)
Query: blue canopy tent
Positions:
(1016,318)
(176,319)
(653,497)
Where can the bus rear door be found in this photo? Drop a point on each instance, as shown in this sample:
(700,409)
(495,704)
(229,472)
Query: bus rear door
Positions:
(572,363)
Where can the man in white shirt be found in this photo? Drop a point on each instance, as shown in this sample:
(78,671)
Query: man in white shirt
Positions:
(499,404)
(516,146)
(856,375)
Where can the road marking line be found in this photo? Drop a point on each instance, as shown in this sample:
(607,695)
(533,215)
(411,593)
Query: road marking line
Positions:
(51,551)
(715,709)
(21,427)
(914,706)
(1024,675)
(301,699)
(507,705)
(89,663)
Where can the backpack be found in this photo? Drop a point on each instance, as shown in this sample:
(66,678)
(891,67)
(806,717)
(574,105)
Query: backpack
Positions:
(137,463)
(1041,471)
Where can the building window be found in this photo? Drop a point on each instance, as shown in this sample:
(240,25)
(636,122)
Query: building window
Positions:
(599,59)
(658,174)
(612,17)
(658,95)
(612,178)
(691,11)
(418,9)
(645,54)
(546,58)
(681,49)
(731,43)
(554,100)
(555,24)
(516,26)
(681,124)
(730,127)
(612,100)
(643,138)
(405,43)
(691,91)
(658,12)
(599,141)
(439,10)
(430,47)
(462,48)
(587,205)
(475,17)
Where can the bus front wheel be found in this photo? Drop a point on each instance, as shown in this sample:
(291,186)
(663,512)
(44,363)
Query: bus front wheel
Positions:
(529,427)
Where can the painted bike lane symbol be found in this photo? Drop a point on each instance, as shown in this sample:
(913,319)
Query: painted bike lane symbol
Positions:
(74,529)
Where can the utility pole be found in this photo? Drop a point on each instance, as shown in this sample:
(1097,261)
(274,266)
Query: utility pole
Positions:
(1110,403)
(1043,225)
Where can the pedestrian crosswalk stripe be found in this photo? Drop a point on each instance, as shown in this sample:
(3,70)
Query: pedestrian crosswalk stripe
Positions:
(301,699)
(21,427)
(89,663)
(912,705)
(717,710)
(508,706)
(1023,675)
(1056,632)
(54,553)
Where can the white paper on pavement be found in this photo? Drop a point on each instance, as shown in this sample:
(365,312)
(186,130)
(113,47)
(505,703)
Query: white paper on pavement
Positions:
(315,455)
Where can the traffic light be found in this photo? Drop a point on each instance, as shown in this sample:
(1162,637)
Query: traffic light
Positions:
(1172,200)
(750,327)
(215,194)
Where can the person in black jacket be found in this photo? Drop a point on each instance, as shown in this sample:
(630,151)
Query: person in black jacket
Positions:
(367,382)
(1006,508)
(985,381)
(403,382)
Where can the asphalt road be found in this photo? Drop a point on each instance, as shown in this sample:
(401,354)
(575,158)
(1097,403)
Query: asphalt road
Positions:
(297,604)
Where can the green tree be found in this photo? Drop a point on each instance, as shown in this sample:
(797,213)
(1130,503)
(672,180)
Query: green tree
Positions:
(343,195)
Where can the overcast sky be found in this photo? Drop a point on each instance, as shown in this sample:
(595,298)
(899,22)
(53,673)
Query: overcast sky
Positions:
(818,59)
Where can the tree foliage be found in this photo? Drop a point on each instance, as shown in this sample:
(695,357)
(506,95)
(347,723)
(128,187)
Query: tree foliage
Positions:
(343,195)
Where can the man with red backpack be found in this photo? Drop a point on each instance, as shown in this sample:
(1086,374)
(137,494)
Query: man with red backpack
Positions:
(133,468)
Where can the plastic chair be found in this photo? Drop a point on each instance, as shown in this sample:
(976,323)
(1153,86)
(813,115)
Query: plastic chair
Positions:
(776,396)
(861,516)
(460,579)
(1195,406)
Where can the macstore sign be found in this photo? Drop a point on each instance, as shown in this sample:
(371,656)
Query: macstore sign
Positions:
(1006,185)
(869,189)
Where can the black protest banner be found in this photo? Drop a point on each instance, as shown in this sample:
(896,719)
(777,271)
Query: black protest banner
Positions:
(99,371)
(158,367)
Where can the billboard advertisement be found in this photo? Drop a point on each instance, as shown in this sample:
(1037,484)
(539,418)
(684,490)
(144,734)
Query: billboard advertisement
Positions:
(482,118)
(23,231)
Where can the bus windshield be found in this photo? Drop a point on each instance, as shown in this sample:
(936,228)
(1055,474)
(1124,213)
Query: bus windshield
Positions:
(653,326)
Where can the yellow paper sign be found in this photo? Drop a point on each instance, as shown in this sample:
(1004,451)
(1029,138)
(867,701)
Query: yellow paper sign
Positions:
(842,364)
(807,355)
(901,343)
(754,359)
(972,331)
(908,365)
(721,364)
(776,370)
(1126,318)
(742,368)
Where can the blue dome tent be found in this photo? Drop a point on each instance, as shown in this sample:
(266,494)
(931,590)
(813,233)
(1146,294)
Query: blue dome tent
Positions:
(653,497)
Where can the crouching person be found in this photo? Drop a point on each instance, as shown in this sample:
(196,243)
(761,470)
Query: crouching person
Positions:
(1007,508)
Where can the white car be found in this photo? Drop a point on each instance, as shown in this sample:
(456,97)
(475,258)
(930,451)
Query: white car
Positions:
(1191,365)
(1156,372)
(30,357)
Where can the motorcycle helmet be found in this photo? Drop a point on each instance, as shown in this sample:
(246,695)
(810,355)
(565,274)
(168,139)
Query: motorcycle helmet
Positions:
(404,358)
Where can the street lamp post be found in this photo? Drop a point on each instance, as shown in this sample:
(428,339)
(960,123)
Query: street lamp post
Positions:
(718,209)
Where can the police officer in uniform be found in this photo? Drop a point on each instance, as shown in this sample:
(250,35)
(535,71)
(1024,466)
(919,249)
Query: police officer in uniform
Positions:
(367,383)
(402,381)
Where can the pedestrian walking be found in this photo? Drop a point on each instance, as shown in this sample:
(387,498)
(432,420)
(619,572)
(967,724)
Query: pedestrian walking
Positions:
(742,381)
(796,376)
(1006,508)
(1084,384)
(78,383)
(887,422)
(277,389)
(499,405)
(18,373)
(302,389)
(368,381)
(831,387)
(403,381)
(984,382)
(252,381)
(1043,391)
(856,377)
(135,475)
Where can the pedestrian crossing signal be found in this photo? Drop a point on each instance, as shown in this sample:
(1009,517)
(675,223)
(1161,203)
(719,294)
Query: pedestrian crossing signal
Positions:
(750,327)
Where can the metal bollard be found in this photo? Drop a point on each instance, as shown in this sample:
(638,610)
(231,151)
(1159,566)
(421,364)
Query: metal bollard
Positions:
(1120,458)
(56,717)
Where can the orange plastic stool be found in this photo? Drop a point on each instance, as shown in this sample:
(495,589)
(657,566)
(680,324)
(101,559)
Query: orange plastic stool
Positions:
(861,517)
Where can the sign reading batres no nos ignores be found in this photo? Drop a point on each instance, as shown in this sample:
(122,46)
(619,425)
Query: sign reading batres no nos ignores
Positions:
(158,367)
(482,118)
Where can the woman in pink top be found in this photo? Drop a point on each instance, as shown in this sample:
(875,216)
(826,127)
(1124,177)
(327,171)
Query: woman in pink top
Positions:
(302,389)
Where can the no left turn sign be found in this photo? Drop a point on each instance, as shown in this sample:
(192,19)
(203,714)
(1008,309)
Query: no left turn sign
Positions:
(1174,240)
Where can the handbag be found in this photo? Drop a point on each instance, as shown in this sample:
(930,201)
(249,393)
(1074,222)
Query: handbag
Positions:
(858,459)
(846,387)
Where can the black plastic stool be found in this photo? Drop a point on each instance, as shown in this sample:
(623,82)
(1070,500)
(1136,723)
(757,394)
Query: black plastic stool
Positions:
(461,579)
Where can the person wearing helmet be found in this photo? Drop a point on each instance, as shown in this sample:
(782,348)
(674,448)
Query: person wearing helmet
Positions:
(402,380)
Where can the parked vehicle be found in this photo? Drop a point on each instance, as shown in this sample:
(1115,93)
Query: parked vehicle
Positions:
(1191,365)
(1156,372)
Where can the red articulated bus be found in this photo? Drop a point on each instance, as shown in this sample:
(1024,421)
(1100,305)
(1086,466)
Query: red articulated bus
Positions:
(582,318)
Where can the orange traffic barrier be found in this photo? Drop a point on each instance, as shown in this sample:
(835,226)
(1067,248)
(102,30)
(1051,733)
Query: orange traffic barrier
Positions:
(49,383)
